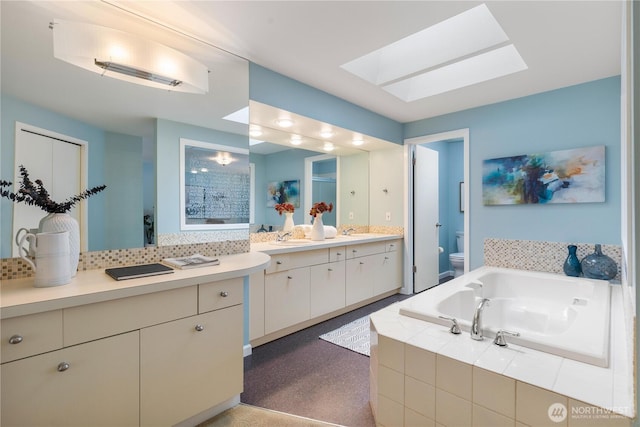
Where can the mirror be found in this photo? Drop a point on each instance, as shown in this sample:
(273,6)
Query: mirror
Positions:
(42,91)
(290,153)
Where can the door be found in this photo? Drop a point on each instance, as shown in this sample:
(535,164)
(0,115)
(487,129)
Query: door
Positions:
(52,159)
(426,227)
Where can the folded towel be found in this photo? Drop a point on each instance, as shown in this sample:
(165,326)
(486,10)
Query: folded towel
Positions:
(330,232)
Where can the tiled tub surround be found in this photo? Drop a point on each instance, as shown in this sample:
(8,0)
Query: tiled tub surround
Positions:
(540,256)
(17,268)
(421,374)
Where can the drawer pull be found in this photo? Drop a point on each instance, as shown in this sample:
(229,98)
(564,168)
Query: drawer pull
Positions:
(339,253)
(224,294)
(199,328)
(392,245)
(361,263)
(329,269)
(289,277)
(63,366)
(15,339)
(279,262)
(354,251)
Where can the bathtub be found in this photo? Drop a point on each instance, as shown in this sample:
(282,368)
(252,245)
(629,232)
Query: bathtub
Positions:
(561,315)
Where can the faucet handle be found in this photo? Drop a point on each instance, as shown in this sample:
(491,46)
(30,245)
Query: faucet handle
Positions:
(501,340)
(454,329)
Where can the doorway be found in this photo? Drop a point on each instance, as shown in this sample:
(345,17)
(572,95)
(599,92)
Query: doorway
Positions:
(321,183)
(421,267)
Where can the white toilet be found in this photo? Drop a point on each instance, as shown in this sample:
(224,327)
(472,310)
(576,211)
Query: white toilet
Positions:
(457,258)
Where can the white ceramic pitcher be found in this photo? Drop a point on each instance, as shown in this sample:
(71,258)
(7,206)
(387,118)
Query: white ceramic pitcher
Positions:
(31,251)
(51,263)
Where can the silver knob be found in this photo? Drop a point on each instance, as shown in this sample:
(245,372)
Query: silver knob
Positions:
(454,329)
(199,328)
(289,277)
(361,263)
(63,366)
(339,253)
(500,339)
(278,262)
(15,339)
(329,269)
(224,294)
(354,251)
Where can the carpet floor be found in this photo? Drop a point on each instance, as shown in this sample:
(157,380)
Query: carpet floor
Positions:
(303,375)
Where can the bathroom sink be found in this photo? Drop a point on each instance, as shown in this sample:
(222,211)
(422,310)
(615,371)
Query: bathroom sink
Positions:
(291,242)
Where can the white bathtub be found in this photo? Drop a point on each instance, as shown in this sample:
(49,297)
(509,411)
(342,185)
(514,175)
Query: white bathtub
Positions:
(561,315)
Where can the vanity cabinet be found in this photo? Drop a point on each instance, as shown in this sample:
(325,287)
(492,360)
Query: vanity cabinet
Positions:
(95,383)
(154,359)
(304,287)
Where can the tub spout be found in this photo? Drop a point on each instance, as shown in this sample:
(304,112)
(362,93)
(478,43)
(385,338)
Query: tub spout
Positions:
(476,324)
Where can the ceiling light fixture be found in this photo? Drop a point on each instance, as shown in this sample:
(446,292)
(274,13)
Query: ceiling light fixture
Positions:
(357,141)
(255,131)
(328,146)
(295,140)
(326,134)
(127,57)
(284,123)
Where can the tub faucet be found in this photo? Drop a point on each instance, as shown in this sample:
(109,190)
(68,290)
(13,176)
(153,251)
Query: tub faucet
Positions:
(476,324)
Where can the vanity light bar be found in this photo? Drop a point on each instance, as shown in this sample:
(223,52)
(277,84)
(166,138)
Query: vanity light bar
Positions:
(134,72)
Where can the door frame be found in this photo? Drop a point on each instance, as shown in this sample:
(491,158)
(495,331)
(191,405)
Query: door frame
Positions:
(407,287)
(308,184)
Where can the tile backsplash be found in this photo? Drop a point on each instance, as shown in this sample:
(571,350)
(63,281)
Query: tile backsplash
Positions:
(540,256)
(16,268)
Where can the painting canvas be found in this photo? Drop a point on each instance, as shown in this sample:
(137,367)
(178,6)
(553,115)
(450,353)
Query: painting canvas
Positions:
(566,176)
(283,192)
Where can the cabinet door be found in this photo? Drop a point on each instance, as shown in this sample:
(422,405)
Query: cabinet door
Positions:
(327,288)
(190,365)
(99,386)
(256,305)
(359,279)
(286,299)
(388,273)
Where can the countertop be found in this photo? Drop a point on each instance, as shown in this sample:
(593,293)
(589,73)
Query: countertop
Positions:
(19,297)
(299,245)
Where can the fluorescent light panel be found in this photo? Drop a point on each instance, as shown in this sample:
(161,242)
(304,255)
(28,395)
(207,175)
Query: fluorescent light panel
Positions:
(487,66)
(461,35)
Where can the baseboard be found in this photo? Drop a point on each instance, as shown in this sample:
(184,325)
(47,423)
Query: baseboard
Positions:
(445,274)
(247,350)
(210,413)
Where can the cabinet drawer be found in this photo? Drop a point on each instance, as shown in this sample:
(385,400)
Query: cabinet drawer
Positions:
(365,249)
(394,246)
(217,295)
(32,334)
(338,253)
(283,262)
(93,321)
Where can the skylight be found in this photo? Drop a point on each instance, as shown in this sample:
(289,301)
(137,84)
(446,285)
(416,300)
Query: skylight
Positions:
(449,49)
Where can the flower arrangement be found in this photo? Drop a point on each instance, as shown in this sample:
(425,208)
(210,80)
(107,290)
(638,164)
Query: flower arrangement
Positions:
(284,207)
(320,207)
(35,194)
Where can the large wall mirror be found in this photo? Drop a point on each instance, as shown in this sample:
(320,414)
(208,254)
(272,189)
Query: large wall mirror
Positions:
(144,123)
(327,163)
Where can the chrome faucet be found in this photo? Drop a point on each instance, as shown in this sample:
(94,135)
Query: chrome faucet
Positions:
(348,231)
(283,237)
(476,324)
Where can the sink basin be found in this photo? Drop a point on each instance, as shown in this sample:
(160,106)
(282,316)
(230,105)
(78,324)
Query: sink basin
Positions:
(291,242)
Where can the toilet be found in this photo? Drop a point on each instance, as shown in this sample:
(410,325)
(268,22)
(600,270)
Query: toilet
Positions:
(457,258)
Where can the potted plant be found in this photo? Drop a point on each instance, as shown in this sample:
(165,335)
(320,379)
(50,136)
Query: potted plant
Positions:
(288,209)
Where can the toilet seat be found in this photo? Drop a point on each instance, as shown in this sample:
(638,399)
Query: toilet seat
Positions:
(457,255)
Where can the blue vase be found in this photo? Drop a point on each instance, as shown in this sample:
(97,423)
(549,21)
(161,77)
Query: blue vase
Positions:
(571,265)
(599,266)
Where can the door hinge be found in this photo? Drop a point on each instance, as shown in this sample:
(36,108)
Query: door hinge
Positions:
(415,269)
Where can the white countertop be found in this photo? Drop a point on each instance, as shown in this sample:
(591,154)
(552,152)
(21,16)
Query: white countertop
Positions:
(299,245)
(19,297)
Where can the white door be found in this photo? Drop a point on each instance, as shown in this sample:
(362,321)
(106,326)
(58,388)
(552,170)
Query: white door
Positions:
(425,219)
(53,160)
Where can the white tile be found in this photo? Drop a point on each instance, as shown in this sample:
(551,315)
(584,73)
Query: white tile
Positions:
(495,392)
(465,349)
(420,397)
(391,384)
(454,376)
(452,410)
(391,353)
(533,403)
(623,396)
(483,417)
(389,323)
(420,364)
(390,413)
(432,339)
(414,419)
(496,358)
(535,367)
(585,382)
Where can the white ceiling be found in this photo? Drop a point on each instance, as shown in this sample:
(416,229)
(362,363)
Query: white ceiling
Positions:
(563,43)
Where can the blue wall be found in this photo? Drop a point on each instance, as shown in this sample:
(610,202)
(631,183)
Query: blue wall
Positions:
(13,111)
(274,89)
(577,116)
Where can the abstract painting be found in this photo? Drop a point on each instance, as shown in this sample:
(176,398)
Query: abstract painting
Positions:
(283,192)
(566,176)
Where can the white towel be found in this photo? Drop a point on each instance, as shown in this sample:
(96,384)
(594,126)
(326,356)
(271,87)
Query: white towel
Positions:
(330,232)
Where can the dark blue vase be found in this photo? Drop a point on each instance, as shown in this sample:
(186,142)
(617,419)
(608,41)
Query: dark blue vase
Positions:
(599,266)
(571,265)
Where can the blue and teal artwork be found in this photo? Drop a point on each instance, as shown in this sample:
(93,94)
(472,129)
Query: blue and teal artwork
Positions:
(566,176)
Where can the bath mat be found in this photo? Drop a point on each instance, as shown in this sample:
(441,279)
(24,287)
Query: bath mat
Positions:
(353,336)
